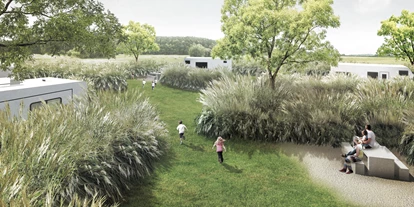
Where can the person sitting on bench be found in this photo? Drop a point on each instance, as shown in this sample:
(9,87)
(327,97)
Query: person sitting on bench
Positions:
(356,140)
(356,157)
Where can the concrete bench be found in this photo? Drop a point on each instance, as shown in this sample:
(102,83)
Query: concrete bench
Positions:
(381,162)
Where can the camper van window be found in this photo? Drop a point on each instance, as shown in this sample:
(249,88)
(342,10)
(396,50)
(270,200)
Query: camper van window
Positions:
(187,62)
(384,76)
(201,64)
(54,101)
(35,105)
(373,75)
(403,72)
(225,61)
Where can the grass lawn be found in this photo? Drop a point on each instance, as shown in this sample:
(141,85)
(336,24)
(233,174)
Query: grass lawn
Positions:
(373,60)
(253,174)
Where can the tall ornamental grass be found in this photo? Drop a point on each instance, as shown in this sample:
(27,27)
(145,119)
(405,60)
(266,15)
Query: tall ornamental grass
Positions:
(305,109)
(187,78)
(83,154)
(142,68)
(102,76)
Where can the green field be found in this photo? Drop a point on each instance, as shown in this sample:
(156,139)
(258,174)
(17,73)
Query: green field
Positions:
(180,59)
(372,60)
(253,173)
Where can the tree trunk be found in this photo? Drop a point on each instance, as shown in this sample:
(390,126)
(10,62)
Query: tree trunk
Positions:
(273,82)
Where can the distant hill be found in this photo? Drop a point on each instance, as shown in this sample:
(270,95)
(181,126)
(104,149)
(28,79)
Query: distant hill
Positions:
(172,45)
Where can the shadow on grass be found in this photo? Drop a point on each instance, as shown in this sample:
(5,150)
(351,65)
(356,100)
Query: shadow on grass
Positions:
(141,191)
(194,147)
(232,169)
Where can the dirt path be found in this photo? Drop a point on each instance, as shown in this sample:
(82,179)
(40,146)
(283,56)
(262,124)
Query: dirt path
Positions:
(323,164)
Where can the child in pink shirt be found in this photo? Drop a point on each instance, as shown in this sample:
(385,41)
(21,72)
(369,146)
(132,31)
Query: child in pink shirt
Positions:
(219,144)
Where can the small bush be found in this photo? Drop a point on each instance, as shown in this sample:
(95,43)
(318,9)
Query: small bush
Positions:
(142,68)
(184,77)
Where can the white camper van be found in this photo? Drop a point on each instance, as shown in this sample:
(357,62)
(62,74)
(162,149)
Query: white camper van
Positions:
(377,71)
(207,62)
(32,92)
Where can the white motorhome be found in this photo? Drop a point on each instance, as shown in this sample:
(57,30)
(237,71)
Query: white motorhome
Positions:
(31,93)
(377,71)
(207,62)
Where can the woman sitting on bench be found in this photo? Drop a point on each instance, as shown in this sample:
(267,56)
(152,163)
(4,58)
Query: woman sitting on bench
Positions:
(356,157)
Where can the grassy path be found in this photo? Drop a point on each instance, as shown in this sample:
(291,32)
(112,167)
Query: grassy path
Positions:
(253,174)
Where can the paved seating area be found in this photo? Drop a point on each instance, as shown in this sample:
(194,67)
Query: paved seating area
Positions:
(379,162)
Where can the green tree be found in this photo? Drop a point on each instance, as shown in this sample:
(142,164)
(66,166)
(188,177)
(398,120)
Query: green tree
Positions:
(277,33)
(197,50)
(77,24)
(139,39)
(398,33)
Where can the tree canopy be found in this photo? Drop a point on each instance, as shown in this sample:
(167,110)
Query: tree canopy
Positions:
(398,32)
(180,45)
(139,39)
(78,24)
(197,51)
(277,33)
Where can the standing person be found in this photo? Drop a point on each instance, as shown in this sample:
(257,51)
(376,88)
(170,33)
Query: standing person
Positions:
(181,128)
(153,85)
(143,82)
(219,144)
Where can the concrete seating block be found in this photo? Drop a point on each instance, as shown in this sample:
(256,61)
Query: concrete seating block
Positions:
(401,172)
(360,168)
(381,167)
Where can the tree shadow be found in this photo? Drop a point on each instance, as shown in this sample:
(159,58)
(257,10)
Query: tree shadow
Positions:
(199,148)
(232,169)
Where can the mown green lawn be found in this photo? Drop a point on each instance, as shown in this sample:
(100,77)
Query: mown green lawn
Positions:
(253,174)
(373,60)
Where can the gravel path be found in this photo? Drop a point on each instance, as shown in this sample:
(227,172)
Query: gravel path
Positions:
(323,164)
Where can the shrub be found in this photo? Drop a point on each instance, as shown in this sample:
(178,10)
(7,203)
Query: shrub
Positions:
(305,109)
(142,68)
(75,154)
(184,77)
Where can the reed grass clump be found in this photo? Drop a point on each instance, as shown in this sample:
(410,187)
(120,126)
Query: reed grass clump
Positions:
(104,76)
(87,153)
(142,68)
(183,77)
(305,109)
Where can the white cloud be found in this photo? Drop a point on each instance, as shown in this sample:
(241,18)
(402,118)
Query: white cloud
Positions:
(368,6)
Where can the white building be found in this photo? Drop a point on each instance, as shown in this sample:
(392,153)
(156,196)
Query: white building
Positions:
(377,71)
(207,62)
(31,93)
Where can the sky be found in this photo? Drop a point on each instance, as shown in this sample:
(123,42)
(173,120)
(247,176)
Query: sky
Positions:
(360,19)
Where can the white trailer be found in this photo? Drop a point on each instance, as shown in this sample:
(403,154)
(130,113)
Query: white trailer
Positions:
(207,62)
(32,93)
(377,71)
